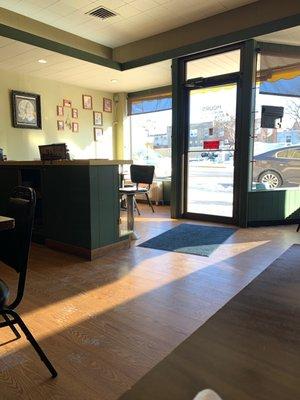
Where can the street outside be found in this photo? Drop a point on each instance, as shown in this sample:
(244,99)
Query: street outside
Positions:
(210,188)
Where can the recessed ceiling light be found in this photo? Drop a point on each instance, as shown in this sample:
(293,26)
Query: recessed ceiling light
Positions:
(114,80)
(42,61)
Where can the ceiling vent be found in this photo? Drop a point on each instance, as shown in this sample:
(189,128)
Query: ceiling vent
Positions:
(101,12)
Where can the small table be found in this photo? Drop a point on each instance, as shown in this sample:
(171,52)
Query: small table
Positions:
(6,223)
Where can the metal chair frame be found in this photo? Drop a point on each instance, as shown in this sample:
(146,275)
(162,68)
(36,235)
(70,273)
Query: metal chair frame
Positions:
(19,264)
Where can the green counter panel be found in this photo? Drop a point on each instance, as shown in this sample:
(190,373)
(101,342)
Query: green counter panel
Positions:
(272,206)
(66,196)
(104,205)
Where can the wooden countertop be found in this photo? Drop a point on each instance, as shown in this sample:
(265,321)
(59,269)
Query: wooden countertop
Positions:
(91,162)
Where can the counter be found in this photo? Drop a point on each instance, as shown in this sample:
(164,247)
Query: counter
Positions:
(77,209)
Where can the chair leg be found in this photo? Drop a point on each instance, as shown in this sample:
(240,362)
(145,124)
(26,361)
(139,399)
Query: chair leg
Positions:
(298,229)
(149,201)
(136,206)
(11,325)
(33,342)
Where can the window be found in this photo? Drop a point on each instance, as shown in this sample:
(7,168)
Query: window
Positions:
(276,138)
(151,130)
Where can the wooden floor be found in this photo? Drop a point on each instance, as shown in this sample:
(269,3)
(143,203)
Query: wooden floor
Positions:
(105,323)
(248,350)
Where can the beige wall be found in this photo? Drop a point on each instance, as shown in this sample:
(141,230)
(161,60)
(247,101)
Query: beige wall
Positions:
(22,144)
(248,16)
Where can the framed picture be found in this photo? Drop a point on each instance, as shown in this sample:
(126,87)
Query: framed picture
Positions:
(107,105)
(67,103)
(60,125)
(75,127)
(98,120)
(26,110)
(59,111)
(87,102)
(74,113)
(98,132)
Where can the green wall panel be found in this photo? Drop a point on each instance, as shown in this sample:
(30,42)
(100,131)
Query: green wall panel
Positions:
(276,205)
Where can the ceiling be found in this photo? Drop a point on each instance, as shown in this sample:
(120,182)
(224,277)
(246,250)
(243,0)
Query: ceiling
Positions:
(23,58)
(136,19)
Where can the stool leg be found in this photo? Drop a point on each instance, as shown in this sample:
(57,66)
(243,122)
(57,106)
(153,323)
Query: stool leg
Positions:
(149,201)
(130,215)
(136,206)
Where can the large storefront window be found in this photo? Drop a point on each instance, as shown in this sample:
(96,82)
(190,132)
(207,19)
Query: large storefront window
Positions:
(276,139)
(151,130)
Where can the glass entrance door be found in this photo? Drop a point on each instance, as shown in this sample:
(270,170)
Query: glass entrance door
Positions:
(210,150)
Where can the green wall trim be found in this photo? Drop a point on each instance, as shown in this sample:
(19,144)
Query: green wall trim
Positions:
(245,116)
(178,129)
(218,41)
(150,92)
(29,38)
(276,205)
(277,48)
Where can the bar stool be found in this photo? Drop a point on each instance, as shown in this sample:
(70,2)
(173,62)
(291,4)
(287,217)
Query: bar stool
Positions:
(139,174)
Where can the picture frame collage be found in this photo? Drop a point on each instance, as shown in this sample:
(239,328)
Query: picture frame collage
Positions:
(66,114)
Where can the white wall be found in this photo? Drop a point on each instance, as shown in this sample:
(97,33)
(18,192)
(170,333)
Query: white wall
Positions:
(22,144)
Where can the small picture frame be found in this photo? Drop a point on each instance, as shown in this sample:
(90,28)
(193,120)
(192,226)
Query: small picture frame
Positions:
(75,127)
(98,119)
(26,110)
(67,103)
(59,111)
(87,102)
(74,113)
(60,125)
(107,105)
(98,132)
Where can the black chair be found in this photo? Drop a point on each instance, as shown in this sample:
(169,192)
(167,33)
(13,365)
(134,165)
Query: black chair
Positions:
(140,174)
(298,229)
(14,252)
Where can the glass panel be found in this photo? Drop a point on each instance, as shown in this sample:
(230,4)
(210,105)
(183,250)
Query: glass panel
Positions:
(276,143)
(211,150)
(150,105)
(210,183)
(218,64)
(151,141)
(212,117)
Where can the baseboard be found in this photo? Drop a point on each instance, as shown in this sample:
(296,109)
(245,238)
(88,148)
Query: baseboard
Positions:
(273,223)
(88,254)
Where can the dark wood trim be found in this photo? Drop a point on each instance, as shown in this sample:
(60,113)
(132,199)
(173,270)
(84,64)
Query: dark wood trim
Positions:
(100,251)
(89,254)
(29,38)
(216,42)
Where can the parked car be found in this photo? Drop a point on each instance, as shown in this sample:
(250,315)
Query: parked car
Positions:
(278,167)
